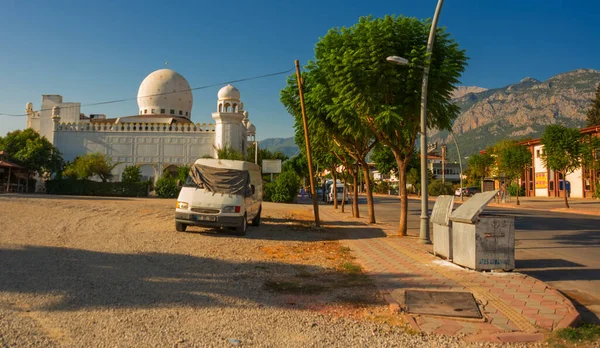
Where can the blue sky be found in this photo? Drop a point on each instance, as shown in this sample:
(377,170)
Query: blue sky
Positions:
(96,51)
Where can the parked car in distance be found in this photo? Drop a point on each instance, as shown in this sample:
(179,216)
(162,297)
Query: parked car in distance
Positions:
(457,192)
(470,191)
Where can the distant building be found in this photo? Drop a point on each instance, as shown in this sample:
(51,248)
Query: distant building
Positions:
(540,181)
(160,137)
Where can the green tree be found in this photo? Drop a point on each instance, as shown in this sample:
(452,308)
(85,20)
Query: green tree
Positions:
(480,166)
(228,152)
(166,186)
(512,161)
(264,154)
(88,165)
(32,151)
(285,189)
(384,159)
(360,91)
(131,174)
(562,151)
(593,114)
(182,173)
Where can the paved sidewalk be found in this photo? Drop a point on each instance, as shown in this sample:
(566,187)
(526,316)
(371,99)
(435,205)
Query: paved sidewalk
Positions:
(516,307)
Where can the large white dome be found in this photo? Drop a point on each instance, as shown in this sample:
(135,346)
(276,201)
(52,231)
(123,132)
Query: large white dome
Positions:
(165,92)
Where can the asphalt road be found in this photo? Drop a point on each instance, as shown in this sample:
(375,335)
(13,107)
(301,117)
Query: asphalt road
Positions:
(561,249)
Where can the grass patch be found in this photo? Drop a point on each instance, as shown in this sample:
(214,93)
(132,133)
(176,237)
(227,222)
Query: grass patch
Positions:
(290,287)
(585,332)
(351,268)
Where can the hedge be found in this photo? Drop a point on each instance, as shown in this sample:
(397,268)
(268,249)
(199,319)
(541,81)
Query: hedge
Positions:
(95,188)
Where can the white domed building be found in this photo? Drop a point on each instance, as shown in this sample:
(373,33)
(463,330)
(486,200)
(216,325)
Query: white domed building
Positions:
(162,136)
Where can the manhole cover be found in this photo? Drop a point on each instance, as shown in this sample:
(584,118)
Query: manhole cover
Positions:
(443,303)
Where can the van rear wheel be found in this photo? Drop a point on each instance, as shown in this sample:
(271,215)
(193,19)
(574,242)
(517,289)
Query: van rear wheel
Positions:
(256,220)
(180,227)
(241,229)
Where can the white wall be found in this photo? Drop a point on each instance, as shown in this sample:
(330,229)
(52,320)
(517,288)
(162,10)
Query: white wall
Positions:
(576,183)
(69,112)
(137,147)
(539,167)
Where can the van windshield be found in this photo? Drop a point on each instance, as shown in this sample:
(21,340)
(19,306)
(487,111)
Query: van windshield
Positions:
(340,190)
(189,182)
(221,180)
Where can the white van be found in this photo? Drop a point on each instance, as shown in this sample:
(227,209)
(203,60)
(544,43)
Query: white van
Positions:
(220,193)
(340,194)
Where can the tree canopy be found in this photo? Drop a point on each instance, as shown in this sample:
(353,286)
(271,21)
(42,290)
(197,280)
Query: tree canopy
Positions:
(562,150)
(32,151)
(512,160)
(368,92)
(88,165)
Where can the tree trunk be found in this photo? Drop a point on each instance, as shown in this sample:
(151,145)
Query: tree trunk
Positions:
(402,226)
(518,189)
(565,190)
(333,190)
(343,192)
(369,192)
(355,212)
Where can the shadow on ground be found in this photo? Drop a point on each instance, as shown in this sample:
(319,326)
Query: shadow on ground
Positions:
(77,279)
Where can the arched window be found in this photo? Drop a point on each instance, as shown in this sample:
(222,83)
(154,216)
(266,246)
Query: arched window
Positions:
(145,111)
(220,107)
(180,113)
(235,108)
(227,107)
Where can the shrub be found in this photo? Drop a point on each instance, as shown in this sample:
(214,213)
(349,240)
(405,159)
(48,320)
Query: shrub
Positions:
(268,189)
(166,186)
(382,187)
(131,174)
(71,186)
(285,189)
(512,190)
(437,188)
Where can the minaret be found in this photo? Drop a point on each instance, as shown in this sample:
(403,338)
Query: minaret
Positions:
(229,127)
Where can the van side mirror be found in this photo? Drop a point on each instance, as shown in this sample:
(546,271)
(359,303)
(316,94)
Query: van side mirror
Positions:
(253,188)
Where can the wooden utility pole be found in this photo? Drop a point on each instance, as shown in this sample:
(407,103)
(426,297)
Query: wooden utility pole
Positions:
(313,189)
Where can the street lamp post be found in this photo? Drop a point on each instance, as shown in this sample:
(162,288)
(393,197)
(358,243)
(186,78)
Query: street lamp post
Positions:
(424,229)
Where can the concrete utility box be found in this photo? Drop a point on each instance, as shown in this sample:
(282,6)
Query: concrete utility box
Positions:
(440,217)
(482,241)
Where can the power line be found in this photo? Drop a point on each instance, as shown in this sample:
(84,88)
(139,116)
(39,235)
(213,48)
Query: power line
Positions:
(159,94)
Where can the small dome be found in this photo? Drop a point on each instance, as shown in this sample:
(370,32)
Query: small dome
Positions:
(166,90)
(251,128)
(29,106)
(229,92)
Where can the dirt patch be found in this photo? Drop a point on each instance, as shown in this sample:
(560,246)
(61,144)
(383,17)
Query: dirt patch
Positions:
(338,286)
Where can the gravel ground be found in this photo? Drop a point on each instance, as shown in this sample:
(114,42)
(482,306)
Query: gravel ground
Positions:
(79,272)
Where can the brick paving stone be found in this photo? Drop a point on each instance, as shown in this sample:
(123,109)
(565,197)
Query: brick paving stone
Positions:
(545,323)
(547,311)
(530,311)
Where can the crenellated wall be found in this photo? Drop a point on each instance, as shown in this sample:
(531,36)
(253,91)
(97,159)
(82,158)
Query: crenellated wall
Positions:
(159,145)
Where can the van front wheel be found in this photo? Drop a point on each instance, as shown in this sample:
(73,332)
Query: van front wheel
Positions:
(256,220)
(180,227)
(241,229)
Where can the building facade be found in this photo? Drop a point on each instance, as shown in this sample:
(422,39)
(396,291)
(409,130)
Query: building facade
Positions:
(540,181)
(161,137)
